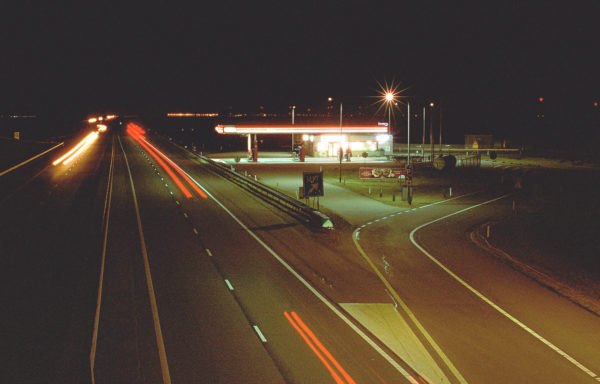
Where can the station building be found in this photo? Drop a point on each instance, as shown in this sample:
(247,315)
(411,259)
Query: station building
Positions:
(322,141)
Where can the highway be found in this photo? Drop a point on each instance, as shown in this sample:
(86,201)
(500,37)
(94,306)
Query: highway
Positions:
(50,242)
(191,289)
(492,323)
(136,263)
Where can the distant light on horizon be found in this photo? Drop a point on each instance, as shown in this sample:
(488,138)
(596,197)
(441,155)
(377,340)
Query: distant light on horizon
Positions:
(189,114)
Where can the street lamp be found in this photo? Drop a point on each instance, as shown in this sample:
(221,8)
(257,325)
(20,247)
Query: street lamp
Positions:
(340,150)
(432,151)
(340,155)
(389,98)
(293,112)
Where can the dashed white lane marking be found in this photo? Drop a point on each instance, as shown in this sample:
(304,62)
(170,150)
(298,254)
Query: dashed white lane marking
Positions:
(209,252)
(423,206)
(185,215)
(229,285)
(177,202)
(317,294)
(195,231)
(259,333)
(488,301)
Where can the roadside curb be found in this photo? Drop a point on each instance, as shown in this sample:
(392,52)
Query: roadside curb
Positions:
(542,278)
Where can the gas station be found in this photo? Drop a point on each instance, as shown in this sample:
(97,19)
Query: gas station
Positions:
(319,141)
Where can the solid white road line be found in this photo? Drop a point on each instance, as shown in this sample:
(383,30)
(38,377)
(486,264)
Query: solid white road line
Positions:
(397,300)
(30,159)
(106,218)
(315,292)
(162,354)
(488,301)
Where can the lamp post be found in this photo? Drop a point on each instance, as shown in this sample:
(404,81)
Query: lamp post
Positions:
(440,105)
(389,98)
(431,154)
(293,111)
(340,153)
(423,143)
(408,133)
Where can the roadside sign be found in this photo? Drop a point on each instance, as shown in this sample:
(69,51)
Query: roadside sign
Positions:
(312,183)
(17,135)
(380,173)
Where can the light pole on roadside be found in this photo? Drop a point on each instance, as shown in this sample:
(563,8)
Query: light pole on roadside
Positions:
(408,133)
(423,143)
(432,153)
(293,111)
(440,106)
(340,150)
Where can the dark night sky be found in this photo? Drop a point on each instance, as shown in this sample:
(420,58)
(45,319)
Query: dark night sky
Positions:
(487,62)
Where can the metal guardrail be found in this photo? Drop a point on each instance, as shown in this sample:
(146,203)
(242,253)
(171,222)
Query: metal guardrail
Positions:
(298,209)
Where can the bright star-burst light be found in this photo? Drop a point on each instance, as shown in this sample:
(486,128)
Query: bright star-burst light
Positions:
(389,98)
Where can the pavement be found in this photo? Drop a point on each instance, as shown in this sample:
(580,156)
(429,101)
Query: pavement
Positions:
(380,318)
(411,327)
(286,176)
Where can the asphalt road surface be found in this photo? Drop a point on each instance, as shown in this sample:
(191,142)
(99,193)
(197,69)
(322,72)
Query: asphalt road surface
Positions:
(189,292)
(112,274)
(492,322)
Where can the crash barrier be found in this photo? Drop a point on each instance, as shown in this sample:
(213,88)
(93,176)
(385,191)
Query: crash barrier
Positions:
(294,207)
(297,208)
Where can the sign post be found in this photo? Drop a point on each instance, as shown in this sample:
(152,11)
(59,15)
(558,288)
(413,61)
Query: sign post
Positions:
(312,184)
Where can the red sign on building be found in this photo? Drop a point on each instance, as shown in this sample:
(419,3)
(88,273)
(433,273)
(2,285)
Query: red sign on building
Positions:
(381,173)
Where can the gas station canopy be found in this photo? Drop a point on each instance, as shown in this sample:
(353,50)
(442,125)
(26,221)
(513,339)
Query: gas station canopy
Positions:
(299,129)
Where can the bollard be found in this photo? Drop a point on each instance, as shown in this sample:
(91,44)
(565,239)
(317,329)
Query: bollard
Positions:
(369,190)
(246,173)
(380,191)
(450,192)
(393,197)
(487,232)
(255,178)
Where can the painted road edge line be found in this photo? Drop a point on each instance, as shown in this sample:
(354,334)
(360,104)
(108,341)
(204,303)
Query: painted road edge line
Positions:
(397,300)
(162,354)
(313,290)
(484,298)
(105,219)
(30,159)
